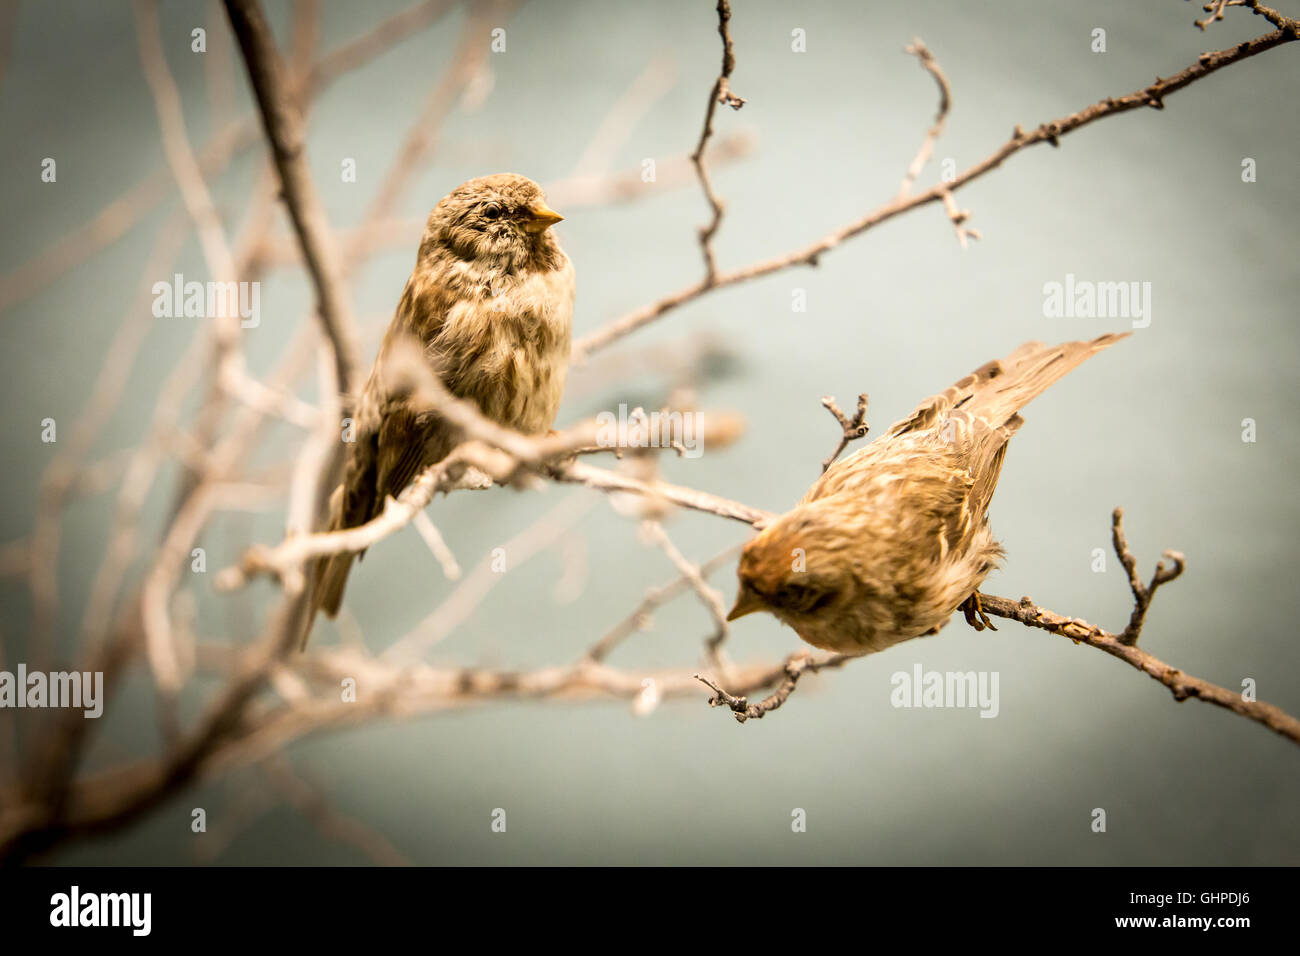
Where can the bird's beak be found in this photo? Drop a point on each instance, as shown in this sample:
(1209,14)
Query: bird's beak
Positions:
(747,602)
(541,217)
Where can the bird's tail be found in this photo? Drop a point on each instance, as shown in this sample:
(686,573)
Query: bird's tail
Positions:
(329,574)
(995,392)
(1008,385)
(983,409)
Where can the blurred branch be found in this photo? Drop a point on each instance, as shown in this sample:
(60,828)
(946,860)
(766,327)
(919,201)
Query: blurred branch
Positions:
(709,597)
(315,805)
(639,619)
(570,193)
(105,800)
(124,213)
(931,66)
(655,79)
(459,606)
(282,123)
(468,62)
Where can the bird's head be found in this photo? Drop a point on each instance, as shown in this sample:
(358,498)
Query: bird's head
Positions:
(799,568)
(500,220)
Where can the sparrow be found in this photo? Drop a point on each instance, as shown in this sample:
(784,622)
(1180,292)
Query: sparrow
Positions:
(891,540)
(489,306)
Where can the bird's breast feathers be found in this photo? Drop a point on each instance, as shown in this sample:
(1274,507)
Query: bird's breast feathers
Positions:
(505,342)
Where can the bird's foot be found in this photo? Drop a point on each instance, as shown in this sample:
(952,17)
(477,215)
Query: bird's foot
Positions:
(974,612)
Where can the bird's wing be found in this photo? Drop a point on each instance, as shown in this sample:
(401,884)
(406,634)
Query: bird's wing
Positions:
(991,413)
(1025,374)
(390,436)
(974,417)
(408,442)
(932,412)
(357,504)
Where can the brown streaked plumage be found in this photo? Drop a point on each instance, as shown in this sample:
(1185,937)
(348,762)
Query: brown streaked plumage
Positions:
(490,302)
(892,539)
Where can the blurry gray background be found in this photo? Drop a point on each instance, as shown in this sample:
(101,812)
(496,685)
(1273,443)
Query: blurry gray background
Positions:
(1154,424)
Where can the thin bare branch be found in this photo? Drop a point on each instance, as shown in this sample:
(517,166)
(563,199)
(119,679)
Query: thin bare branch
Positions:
(795,666)
(926,150)
(1183,686)
(851,429)
(709,597)
(639,619)
(1152,96)
(719,93)
(1142,593)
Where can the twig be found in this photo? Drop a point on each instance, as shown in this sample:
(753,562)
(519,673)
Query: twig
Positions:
(796,665)
(499,452)
(1215,9)
(931,66)
(577,472)
(720,93)
(437,546)
(1142,593)
(460,605)
(851,429)
(958,217)
(639,619)
(709,597)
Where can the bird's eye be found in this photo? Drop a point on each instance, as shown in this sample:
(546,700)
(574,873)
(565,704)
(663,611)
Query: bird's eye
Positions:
(493,211)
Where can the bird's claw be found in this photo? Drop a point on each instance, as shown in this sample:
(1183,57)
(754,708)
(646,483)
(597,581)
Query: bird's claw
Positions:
(974,611)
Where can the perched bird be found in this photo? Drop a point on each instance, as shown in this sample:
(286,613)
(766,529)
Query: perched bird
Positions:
(489,304)
(893,539)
